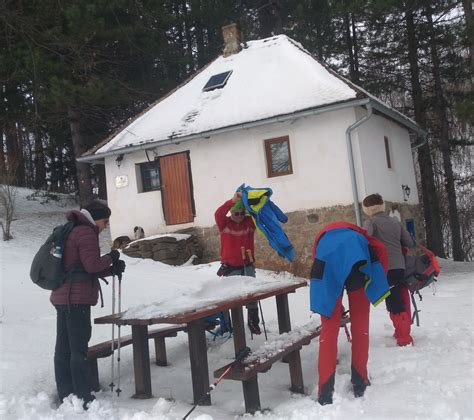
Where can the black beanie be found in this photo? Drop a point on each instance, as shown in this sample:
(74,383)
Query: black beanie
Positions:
(98,210)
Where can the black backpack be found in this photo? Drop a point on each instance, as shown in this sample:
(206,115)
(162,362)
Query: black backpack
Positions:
(47,269)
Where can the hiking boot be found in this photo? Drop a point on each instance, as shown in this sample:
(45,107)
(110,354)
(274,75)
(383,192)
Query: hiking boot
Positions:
(359,390)
(254,328)
(325,399)
(87,402)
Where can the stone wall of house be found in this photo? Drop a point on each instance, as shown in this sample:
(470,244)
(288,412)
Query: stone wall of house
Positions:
(301,229)
(166,249)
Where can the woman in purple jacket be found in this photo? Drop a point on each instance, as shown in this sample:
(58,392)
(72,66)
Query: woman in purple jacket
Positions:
(80,291)
(395,237)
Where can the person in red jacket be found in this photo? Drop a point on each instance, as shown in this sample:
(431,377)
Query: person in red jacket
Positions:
(74,298)
(237,248)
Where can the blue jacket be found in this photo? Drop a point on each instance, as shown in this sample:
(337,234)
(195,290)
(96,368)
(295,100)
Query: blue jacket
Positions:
(336,253)
(267,217)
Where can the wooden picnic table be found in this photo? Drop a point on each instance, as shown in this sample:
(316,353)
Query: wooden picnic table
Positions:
(194,319)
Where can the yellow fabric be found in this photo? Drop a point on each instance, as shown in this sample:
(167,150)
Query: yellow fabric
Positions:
(260,195)
(382,298)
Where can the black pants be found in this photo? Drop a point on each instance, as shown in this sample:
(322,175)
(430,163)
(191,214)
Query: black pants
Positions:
(252,307)
(71,367)
(394,301)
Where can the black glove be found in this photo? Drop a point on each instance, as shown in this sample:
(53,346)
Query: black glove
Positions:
(115,255)
(118,267)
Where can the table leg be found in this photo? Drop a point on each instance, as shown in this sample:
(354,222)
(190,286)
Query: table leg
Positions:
(199,365)
(294,358)
(250,386)
(141,362)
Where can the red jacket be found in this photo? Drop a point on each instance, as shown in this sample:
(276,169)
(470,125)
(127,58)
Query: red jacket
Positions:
(82,245)
(235,236)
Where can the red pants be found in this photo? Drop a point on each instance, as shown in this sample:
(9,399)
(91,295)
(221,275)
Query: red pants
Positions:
(359,309)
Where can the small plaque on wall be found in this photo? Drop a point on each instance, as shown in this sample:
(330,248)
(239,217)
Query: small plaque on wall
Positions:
(121,181)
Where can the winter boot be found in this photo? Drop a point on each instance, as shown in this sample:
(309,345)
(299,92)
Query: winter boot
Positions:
(253,320)
(358,383)
(326,391)
(402,324)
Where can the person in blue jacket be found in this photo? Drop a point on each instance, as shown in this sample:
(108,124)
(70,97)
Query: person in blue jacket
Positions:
(345,257)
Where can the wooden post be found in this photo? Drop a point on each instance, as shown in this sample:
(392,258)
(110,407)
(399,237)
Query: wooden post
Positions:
(250,386)
(198,357)
(294,358)
(160,351)
(141,362)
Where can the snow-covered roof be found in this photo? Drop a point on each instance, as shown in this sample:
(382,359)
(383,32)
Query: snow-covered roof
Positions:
(270,77)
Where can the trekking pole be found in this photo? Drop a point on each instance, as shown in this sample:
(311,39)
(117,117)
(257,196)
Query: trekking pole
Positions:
(112,385)
(263,320)
(240,356)
(118,390)
(244,259)
(345,314)
(249,253)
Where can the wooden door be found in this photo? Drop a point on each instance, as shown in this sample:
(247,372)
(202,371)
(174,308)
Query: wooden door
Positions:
(176,188)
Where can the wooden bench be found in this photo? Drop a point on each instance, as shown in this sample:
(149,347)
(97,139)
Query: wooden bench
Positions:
(101,350)
(286,345)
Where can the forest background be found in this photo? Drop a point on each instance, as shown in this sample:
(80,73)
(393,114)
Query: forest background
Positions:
(71,72)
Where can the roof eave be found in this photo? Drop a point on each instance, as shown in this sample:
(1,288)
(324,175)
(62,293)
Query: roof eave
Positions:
(98,157)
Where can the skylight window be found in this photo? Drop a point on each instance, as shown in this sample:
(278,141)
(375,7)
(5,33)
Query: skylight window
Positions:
(217,81)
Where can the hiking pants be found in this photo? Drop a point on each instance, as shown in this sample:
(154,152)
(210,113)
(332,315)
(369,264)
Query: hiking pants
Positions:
(252,307)
(71,368)
(395,302)
(359,309)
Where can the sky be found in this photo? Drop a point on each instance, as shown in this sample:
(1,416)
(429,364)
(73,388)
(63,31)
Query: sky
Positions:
(434,379)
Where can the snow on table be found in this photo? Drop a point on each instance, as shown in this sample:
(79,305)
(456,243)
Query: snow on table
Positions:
(209,295)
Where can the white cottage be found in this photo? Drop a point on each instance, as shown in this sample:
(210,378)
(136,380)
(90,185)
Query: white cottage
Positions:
(268,114)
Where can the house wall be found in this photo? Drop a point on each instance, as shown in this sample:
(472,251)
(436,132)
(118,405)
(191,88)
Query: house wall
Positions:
(221,163)
(319,190)
(370,154)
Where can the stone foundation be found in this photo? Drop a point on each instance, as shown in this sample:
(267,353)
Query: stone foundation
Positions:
(166,249)
(301,229)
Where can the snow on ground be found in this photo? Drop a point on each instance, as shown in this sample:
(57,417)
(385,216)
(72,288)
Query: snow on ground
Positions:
(432,380)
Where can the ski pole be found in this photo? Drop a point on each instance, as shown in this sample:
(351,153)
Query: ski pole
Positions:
(345,314)
(244,259)
(112,385)
(118,337)
(263,320)
(249,253)
(240,356)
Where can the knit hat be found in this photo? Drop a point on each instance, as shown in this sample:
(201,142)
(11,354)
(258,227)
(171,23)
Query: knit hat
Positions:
(373,204)
(98,210)
(238,205)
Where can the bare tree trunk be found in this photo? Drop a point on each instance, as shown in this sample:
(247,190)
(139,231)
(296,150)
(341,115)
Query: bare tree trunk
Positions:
(431,210)
(468,10)
(100,172)
(441,109)
(83,173)
(350,53)
(355,45)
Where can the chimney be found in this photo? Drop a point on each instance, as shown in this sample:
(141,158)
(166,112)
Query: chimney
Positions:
(232,39)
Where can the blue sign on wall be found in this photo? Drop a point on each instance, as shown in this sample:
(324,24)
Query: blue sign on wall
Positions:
(410,226)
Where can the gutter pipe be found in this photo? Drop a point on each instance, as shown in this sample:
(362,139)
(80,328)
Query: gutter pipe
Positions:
(352,127)
(97,158)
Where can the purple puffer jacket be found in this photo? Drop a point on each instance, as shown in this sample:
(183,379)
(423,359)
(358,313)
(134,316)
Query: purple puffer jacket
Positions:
(82,245)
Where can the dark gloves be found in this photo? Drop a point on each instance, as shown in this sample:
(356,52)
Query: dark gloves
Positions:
(115,255)
(118,267)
